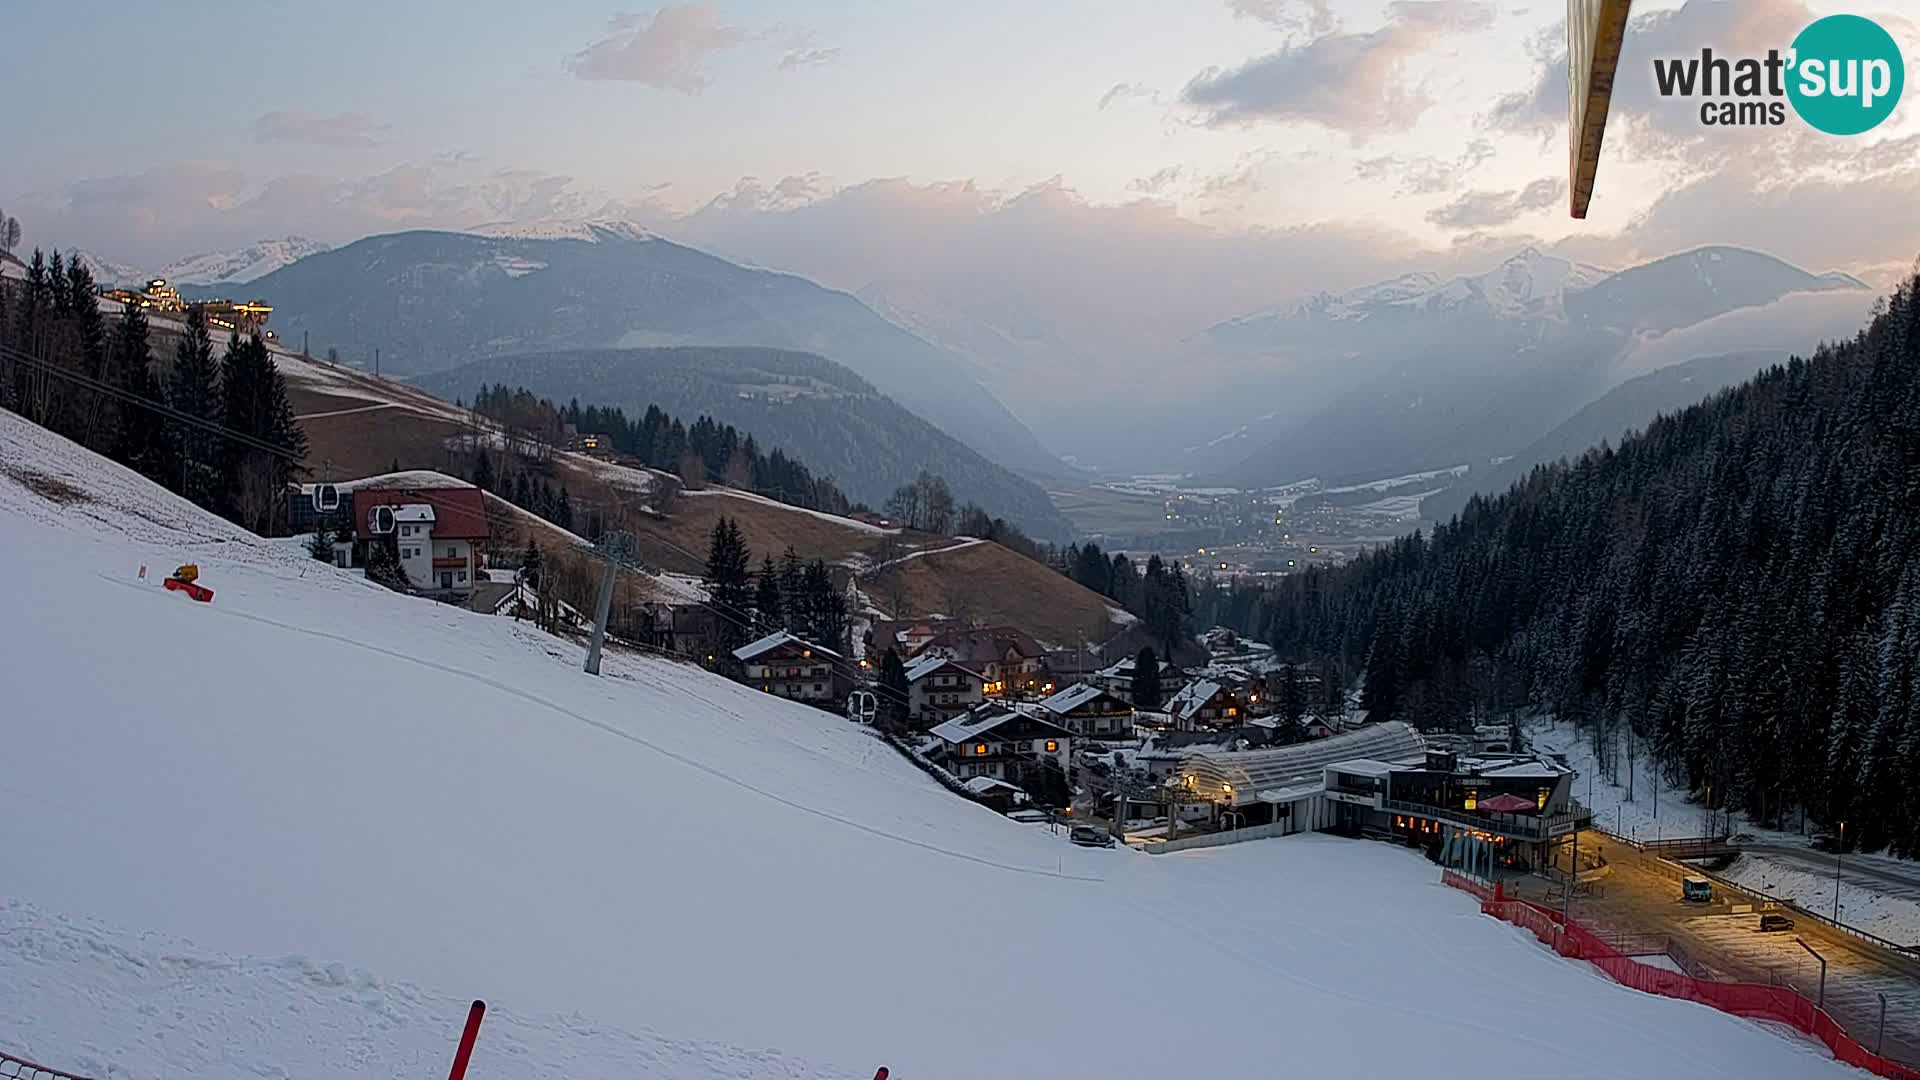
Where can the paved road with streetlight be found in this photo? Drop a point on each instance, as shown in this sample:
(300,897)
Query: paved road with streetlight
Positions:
(1641,897)
(1865,872)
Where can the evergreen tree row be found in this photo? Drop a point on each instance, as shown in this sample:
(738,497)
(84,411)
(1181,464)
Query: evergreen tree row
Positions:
(1733,594)
(1158,593)
(703,451)
(53,335)
(796,596)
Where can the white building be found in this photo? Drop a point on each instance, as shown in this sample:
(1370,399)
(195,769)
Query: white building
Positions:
(938,688)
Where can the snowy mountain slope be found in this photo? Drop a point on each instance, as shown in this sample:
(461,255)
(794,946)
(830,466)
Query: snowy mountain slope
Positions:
(236,266)
(314,769)
(1432,372)
(241,265)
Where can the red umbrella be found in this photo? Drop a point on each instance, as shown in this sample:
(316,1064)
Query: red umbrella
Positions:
(1508,804)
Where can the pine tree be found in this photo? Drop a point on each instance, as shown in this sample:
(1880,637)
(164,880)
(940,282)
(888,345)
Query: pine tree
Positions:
(141,441)
(321,546)
(1290,703)
(1147,690)
(729,586)
(195,391)
(893,691)
(483,470)
(563,510)
(768,614)
(255,406)
(793,594)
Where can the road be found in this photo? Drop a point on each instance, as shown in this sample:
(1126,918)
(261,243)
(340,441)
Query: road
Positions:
(1867,872)
(1641,897)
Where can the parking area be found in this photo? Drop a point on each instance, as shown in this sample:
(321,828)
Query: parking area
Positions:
(1640,896)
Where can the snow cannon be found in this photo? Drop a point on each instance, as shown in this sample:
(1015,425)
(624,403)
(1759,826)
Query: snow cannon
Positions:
(186,579)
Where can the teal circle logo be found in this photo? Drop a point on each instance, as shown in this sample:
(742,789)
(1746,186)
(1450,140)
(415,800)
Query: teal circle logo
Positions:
(1847,74)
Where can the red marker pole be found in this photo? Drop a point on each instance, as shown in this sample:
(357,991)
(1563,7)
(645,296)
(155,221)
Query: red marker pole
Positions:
(882,1074)
(460,1056)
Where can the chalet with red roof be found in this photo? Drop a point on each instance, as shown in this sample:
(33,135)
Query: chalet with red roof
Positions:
(435,530)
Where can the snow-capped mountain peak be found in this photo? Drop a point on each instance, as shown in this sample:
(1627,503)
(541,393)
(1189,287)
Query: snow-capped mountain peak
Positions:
(591,230)
(238,265)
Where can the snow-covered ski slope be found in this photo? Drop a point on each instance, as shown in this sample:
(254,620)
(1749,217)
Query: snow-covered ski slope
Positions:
(292,831)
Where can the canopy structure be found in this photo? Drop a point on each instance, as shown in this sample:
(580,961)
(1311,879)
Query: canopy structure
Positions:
(1508,804)
(1595,30)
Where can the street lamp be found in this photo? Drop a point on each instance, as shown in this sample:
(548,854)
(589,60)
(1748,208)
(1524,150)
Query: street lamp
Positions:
(1839,852)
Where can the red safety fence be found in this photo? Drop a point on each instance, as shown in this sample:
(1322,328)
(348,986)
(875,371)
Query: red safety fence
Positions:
(13,1068)
(1777,1003)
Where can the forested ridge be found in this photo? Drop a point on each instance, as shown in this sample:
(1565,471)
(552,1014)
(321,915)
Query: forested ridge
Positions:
(1734,593)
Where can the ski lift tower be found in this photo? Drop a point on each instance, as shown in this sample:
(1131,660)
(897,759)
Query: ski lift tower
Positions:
(616,548)
(1595,30)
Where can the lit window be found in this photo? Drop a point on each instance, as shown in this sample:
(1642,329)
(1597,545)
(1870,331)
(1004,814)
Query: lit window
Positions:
(1542,801)
(1473,800)
(980,749)
(1052,746)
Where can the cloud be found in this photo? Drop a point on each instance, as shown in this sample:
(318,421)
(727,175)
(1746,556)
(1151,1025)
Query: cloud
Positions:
(161,213)
(1123,93)
(1159,182)
(356,129)
(1422,174)
(804,51)
(667,51)
(1315,16)
(1492,209)
(1349,82)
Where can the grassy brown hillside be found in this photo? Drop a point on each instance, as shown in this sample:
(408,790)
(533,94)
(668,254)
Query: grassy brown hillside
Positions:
(357,425)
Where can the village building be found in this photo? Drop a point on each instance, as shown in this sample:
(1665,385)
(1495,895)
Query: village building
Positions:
(1011,660)
(435,531)
(1117,678)
(790,667)
(1203,703)
(1090,712)
(939,688)
(1002,743)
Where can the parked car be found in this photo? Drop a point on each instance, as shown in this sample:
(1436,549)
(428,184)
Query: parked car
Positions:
(1088,836)
(1774,922)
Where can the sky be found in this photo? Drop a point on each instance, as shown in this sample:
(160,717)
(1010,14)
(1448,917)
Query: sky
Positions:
(1185,160)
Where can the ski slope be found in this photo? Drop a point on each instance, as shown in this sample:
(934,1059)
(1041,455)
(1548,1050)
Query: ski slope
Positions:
(292,831)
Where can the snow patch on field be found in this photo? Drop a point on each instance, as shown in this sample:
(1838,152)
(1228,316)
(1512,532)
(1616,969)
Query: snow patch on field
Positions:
(1894,918)
(82,996)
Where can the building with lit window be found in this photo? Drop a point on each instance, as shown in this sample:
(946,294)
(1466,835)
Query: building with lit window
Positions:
(1090,712)
(1204,703)
(939,688)
(1003,743)
(787,666)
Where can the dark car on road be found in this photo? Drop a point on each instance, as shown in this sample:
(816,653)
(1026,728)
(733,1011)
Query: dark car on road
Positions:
(1774,922)
(1088,836)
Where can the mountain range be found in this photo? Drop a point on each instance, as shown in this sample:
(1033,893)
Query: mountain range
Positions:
(430,301)
(1420,373)
(831,419)
(212,268)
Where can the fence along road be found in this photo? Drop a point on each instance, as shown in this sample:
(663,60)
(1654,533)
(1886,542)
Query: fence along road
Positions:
(1641,896)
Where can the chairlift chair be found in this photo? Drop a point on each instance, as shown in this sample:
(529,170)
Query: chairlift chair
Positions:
(380,520)
(326,498)
(862,706)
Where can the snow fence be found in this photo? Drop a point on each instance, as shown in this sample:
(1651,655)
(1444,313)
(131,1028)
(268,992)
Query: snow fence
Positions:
(1776,1003)
(13,1068)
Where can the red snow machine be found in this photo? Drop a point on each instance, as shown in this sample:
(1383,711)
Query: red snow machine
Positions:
(186,579)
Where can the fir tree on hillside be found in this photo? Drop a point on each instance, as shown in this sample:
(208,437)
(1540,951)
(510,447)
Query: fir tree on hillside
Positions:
(195,390)
(254,404)
(767,610)
(893,692)
(142,440)
(729,585)
(1147,690)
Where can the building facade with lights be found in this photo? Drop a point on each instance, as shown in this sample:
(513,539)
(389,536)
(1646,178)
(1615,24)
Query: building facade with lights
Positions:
(790,667)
